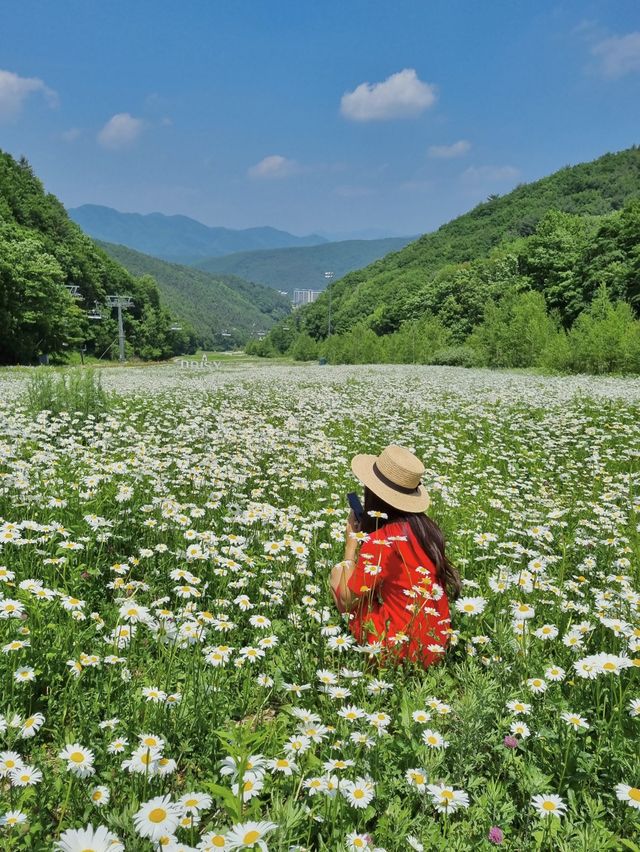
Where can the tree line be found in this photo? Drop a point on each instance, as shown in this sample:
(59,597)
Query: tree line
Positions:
(42,254)
(565,297)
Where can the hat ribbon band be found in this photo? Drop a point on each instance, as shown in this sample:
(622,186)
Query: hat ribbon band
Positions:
(391,484)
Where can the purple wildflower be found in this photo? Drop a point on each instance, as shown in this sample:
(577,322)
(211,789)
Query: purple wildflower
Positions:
(496,835)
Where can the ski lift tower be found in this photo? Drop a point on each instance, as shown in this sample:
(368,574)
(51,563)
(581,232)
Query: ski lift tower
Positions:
(120,302)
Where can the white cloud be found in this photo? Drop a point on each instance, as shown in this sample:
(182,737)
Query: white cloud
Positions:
(448,152)
(618,55)
(493,174)
(120,131)
(71,134)
(274,166)
(401,95)
(14,90)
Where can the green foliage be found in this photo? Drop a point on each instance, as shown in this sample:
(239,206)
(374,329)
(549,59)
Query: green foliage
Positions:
(304,348)
(41,251)
(36,312)
(210,304)
(605,338)
(79,391)
(514,332)
(503,281)
(593,189)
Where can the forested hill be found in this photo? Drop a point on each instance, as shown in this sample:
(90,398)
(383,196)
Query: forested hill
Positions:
(41,251)
(404,284)
(223,309)
(293,268)
(179,239)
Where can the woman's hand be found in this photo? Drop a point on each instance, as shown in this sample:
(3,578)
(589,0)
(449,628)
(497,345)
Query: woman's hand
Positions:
(351,542)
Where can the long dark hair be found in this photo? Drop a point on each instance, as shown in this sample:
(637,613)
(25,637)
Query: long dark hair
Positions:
(425,529)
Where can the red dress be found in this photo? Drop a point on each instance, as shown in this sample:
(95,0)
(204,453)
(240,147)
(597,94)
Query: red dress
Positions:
(400,603)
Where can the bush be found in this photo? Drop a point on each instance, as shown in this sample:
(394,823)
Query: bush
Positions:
(557,355)
(605,338)
(456,356)
(304,348)
(416,341)
(515,332)
(79,390)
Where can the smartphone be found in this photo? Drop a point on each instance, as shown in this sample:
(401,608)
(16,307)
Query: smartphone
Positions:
(356,505)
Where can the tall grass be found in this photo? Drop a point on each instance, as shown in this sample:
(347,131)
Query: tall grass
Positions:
(79,390)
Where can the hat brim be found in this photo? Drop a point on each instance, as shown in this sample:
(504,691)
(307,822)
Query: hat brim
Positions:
(362,467)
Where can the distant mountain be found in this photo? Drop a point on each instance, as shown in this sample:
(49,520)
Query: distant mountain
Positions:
(214,305)
(303,268)
(178,238)
(362,234)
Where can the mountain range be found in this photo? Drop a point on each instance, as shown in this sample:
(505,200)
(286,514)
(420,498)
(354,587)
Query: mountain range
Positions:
(178,239)
(303,268)
(264,255)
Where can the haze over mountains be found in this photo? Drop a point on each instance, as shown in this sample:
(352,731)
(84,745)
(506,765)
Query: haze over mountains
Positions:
(265,255)
(179,239)
(291,268)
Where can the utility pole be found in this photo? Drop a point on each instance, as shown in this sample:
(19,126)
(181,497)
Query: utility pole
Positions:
(329,276)
(120,302)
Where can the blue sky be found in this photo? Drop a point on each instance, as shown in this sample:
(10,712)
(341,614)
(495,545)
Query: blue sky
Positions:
(337,116)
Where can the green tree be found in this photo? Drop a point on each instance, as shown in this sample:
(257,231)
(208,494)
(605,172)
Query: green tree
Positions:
(514,332)
(37,314)
(605,337)
(304,348)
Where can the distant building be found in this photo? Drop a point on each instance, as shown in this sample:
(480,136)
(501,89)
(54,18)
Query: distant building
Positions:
(304,297)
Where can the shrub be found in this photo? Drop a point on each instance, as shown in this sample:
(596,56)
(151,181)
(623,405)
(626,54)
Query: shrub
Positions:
(456,356)
(515,332)
(605,338)
(304,348)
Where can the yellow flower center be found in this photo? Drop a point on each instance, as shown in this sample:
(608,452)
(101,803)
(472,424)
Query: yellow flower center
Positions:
(609,667)
(358,794)
(218,840)
(76,757)
(447,794)
(191,803)
(251,837)
(634,794)
(548,806)
(157,815)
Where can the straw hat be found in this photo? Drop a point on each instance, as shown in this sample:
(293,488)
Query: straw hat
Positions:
(394,476)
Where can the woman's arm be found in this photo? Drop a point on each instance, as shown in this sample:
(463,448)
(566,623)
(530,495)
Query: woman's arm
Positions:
(341,573)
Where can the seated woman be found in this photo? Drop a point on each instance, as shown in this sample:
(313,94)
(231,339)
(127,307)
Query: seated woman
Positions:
(396,587)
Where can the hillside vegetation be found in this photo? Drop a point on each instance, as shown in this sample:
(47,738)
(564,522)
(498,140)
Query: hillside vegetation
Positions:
(533,260)
(41,251)
(179,239)
(303,268)
(212,304)
(393,289)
